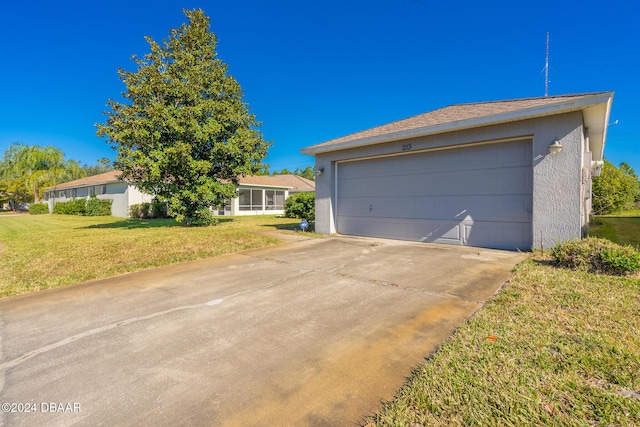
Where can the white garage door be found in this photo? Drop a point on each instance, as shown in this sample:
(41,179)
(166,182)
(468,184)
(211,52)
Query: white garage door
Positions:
(477,196)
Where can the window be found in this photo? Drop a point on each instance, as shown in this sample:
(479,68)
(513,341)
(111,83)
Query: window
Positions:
(245,200)
(256,200)
(274,199)
(225,208)
(103,188)
(250,200)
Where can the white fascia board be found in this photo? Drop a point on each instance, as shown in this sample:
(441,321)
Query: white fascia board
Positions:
(512,116)
(284,187)
(596,120)
(58,186)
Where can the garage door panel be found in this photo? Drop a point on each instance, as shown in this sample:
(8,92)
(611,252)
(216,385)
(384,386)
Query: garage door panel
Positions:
(489,182)
(496,155)
(477,233)
(480,196)
(495,182)
(405,229)
(438,162)
(513,236)
(471,233)
(478,208)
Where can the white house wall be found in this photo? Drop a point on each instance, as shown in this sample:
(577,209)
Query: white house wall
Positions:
(557,195)
(133,197)
(118,193)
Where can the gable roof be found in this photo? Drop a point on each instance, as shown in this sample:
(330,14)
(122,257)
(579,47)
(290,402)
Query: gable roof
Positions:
(293,182)
(102,178)
(595,106)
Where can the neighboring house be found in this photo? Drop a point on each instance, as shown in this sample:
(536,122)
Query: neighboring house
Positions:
(512,174)
(257,195)
(265,194)
(104,186)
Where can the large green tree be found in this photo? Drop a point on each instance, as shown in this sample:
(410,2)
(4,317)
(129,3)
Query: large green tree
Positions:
(616,189)
(184,132)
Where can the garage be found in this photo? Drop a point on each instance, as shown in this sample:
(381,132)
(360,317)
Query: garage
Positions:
(512,174)
(479,196)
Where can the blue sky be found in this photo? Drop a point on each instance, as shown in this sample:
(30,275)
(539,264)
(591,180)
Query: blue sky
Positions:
(313,71)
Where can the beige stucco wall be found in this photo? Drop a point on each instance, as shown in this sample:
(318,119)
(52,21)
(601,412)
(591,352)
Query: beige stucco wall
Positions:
(558,199)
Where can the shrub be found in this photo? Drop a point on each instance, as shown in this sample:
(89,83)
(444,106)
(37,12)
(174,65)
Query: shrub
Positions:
(159,209)
(155,209)
(597,256)
(71,207)
(98,207)
(202,218)
(139,210)
(38,208)
(301,205)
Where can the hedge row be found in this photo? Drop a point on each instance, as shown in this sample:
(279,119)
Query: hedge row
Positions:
(88,207)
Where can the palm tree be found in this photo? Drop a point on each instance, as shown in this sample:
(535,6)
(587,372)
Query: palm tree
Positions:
(36,167)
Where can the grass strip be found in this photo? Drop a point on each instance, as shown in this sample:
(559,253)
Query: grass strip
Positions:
(46,251)
(555,347)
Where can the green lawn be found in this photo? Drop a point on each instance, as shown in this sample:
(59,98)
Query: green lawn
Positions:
(631,212)
(555,347)
(47,251)
(620,229)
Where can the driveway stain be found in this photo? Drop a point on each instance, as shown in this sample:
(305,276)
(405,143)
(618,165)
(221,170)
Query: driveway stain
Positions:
(350,379)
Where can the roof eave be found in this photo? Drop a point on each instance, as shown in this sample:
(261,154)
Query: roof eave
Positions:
(596,120)
(523,114)
(287,187)
(63,186)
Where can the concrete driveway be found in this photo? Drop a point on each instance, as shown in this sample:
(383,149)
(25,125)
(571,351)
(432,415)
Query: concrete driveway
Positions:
(313,332)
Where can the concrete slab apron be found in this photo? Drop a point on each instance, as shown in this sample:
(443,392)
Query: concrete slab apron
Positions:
(316,332)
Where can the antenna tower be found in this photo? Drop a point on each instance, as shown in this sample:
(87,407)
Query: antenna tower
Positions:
(546,69)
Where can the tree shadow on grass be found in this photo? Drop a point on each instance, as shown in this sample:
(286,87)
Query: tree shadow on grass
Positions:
(132,224)
(291,227)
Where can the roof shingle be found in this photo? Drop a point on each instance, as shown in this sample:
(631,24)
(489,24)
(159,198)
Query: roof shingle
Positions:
(294,182)
(450,116)
(103,178)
